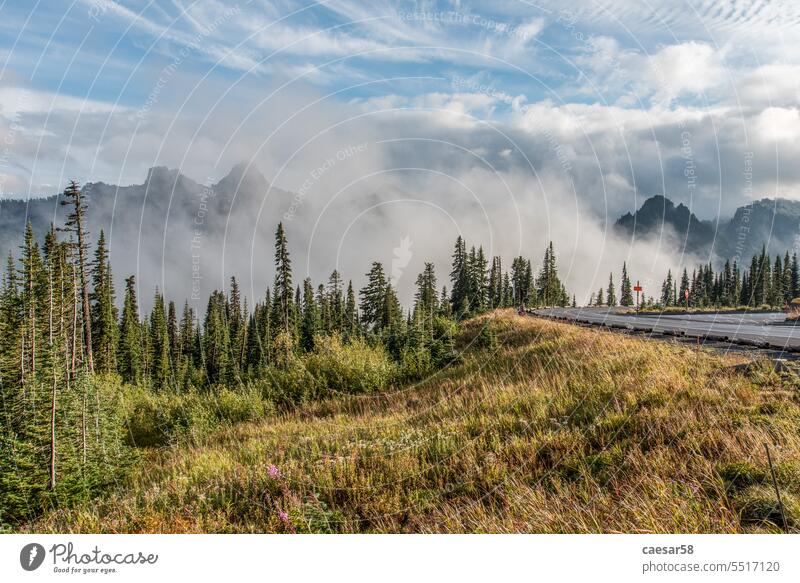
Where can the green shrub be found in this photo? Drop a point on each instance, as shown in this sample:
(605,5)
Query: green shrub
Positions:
(442,347)
(759,505)
(355,368)
(414,365)
(741,475)
(290,384)
(246,404)
(90,451)
(486,338)
(160,419)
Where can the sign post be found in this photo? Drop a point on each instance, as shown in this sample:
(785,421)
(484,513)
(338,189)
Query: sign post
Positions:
(637,288)
(686,295)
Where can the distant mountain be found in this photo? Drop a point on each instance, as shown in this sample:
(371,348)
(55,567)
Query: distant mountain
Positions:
(659,213)
(771,222)
(170,231)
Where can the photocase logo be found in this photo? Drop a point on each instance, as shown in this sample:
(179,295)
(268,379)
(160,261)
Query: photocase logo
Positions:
(31,556)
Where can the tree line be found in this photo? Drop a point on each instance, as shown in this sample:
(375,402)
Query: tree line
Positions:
(765,283)
(68,350)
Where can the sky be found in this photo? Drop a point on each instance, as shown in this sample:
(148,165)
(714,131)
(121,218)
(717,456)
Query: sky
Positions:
(512,122)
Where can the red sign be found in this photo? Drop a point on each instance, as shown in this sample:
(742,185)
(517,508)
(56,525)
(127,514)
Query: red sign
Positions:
(637,288)
(686,293)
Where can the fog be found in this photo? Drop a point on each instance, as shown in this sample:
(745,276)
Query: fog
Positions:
(394,181)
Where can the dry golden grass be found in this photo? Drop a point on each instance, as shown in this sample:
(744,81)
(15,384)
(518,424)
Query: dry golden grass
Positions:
(556,429)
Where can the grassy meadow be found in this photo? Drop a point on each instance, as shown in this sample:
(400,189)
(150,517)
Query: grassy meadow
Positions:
(539,427)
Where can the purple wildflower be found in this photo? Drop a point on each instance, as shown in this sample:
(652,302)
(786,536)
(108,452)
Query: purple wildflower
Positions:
(283,516)
(273,471)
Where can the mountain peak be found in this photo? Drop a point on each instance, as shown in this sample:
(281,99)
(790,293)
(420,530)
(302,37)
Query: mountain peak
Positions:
(658,200)
(160,173)
(244,168)
(659,212)
(243,175)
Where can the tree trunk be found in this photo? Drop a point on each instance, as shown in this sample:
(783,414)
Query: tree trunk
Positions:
(87,318)
(32,324)
(53,434)
(83,425)
(22,359)
(74,321)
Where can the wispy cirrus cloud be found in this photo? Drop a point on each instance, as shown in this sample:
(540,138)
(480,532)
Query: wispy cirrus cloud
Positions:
(580,111)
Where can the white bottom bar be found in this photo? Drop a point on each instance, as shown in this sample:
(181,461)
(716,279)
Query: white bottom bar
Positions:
(484,558)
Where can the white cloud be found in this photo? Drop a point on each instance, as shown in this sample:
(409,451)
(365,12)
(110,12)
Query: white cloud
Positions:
(19,100)
(687,68)
(774,84)
(779,125)
(671,72)
(495,154)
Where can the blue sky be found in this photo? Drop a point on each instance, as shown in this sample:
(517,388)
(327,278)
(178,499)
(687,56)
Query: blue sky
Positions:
(110,51)
(102,90)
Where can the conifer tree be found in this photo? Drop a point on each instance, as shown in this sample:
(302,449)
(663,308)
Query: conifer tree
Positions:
(53,307)
(105,331)
(253,355)
(392,324)
(495,295)
(459,277)
(611,295)
(236,327)
(508,291)
(765,276)
(666,290)
(311,322)
(186,346)
(11,338)
(425,297)
(479,286)
(445,309)
(351,327)
(324,309)
(787,279)
(159,344)
(392,312)
(130,342)
(626,290)
(265,333)
(373,297)
(31,296)
(549,289)
(216,341)
(75,225)
(173,334)
(776,288)
(282,298)
(521,281)
(336,301)
(756,287)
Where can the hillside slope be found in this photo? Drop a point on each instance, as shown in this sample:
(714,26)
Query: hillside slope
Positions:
(559,429)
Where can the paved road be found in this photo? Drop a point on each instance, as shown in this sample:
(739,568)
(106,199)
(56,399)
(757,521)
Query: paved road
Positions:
(758,329)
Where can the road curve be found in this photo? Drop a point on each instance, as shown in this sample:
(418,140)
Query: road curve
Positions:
(762,329)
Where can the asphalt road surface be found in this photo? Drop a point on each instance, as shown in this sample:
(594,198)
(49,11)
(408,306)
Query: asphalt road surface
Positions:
(763,329)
